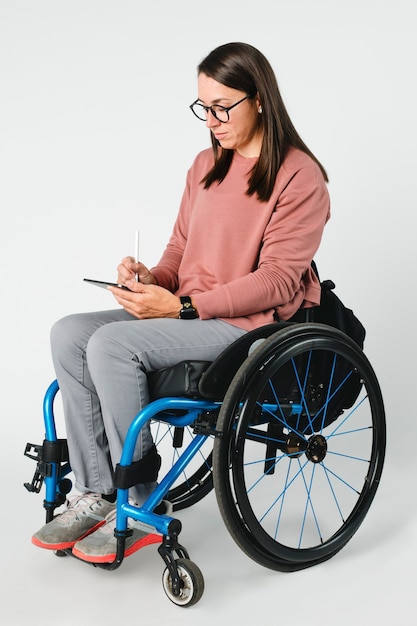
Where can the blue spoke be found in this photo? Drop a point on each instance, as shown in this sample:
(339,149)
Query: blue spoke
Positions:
(309,502)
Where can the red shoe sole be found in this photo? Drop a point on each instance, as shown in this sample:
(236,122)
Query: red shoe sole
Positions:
(109,558)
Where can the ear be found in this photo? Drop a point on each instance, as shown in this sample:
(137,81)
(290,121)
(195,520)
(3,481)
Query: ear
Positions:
(258,103)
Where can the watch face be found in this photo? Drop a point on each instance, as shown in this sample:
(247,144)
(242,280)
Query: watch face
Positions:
(188,314)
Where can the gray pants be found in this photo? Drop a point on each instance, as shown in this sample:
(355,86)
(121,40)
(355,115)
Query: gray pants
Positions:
(101,360)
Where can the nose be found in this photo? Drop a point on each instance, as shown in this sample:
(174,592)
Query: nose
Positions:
(211,121)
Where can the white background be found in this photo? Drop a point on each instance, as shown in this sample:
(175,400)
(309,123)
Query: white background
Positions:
(95,141)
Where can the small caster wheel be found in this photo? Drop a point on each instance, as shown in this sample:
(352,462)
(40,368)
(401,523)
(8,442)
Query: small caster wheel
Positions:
(192,583)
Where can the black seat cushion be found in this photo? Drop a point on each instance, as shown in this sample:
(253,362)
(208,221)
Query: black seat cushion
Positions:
(180,379)
(206,379)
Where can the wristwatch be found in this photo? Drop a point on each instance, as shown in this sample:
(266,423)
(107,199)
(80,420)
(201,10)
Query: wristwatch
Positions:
(188,312)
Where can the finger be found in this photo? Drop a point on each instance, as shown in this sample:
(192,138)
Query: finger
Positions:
(135,286)
(126,270)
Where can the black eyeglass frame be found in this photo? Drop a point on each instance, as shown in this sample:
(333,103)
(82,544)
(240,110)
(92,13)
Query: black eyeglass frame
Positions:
(210,108)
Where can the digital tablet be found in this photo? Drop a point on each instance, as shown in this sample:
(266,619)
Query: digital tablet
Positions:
(105,284)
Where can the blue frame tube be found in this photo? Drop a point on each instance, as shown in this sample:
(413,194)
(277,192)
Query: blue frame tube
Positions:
(48,415)
(158,406)
(144,512)
(51,482)
(155,409)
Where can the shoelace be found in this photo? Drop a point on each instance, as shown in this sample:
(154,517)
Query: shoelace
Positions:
(110,525)
(71,511)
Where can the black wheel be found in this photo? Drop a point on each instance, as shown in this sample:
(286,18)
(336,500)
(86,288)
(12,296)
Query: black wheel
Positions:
(197,480)
(192,583)
(302,449)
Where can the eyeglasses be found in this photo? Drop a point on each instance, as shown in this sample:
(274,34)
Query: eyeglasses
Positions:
(220,113)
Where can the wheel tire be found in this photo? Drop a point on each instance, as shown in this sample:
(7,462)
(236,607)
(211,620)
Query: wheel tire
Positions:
(192,580)
(260,493)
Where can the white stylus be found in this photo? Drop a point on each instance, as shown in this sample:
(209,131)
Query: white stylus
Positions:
(137,251)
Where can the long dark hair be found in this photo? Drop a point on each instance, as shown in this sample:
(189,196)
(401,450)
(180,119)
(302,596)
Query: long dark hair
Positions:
(243,67)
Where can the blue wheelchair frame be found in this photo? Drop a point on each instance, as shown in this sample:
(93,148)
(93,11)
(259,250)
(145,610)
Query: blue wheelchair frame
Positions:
(165,525)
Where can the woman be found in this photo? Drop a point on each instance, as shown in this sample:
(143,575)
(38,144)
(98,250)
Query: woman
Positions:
(249,224)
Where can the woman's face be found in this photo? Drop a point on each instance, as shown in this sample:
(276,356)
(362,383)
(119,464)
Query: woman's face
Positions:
(243,132)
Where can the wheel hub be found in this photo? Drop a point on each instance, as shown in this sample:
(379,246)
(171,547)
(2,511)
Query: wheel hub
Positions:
(316,449)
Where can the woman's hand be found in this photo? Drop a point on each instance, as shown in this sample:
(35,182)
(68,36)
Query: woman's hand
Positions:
(146,301)
(129,269)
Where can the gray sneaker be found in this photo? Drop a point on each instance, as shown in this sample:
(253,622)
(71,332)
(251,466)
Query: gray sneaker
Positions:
(101,546)
(83,515)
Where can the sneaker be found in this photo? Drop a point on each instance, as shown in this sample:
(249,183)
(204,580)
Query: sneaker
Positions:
(101,546)
(83,515)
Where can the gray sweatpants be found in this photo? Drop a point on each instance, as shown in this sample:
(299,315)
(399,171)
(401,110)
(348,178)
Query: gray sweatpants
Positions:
(101,360)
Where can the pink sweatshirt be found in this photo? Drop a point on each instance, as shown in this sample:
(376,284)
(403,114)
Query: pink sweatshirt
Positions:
(240,259)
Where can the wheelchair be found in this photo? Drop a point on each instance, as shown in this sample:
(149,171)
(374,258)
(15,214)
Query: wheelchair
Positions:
(287,426)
